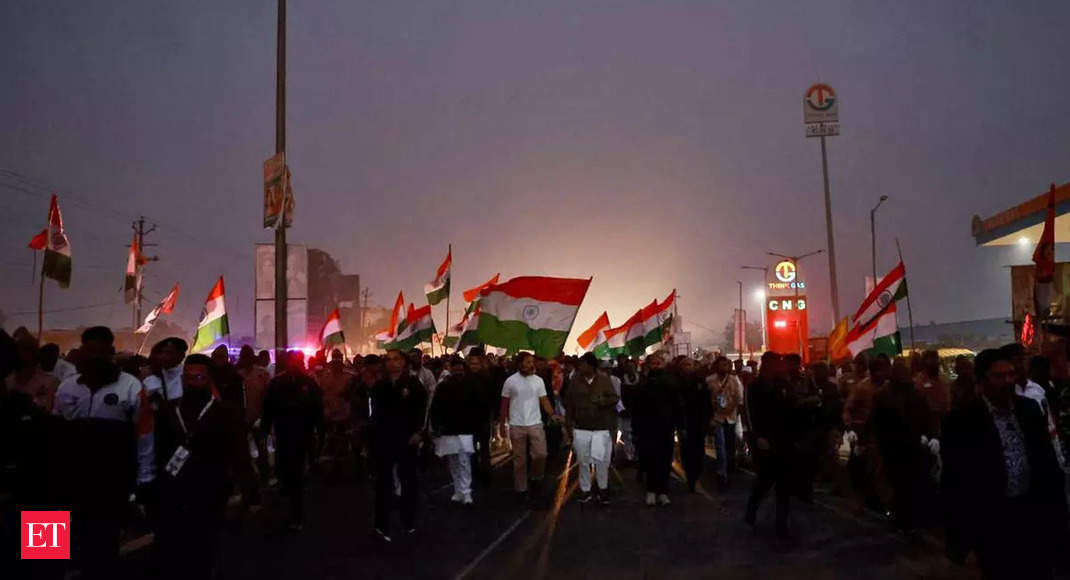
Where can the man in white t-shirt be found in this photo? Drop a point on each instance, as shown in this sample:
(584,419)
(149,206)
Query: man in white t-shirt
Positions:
(523,394)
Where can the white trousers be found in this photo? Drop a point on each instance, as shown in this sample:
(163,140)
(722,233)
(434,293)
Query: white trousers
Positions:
(584,445)
(460,466)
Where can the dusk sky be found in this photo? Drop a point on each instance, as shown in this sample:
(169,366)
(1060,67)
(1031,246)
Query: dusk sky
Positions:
(650,145)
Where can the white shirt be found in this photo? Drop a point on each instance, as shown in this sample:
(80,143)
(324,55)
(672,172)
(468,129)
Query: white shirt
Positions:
(63,370)
(172,377)
(523,394)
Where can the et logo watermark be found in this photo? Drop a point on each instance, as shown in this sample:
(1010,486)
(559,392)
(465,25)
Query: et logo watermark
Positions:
(45,536)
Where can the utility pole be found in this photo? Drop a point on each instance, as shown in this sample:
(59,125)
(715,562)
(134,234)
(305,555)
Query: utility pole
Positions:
(281,335)
(765,278)
(741,323)
(362,315)
(141,232)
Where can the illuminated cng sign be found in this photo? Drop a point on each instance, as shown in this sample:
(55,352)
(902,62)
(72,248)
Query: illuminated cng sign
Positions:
(785,277)
(784,304)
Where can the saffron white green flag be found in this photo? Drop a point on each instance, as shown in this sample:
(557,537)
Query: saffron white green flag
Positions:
(213,326)
(332,335)
(531,313)
(591,338)
(439,288)
(58,248)
(880,336)
(417,328)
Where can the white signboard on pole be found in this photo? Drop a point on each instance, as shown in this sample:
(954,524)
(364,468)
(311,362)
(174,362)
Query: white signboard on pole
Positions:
(821,105)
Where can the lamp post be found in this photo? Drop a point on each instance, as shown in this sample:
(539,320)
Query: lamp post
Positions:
(761,299)
(873,234)
(795,262)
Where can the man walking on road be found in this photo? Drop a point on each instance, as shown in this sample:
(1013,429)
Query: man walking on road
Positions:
(398,404)
(523,394)
(773,441)
(657,415)
(727,394)
(591,414)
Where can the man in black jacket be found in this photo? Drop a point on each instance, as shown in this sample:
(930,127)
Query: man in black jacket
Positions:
(398,404)
(657,415)
(772,411)
(1001,482)
(294,408)
(487,397)
(698,410)
(454,417)
(202,440)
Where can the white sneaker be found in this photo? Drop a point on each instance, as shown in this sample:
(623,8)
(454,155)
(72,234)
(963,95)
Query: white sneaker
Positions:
(650,499)
(468,499)
(663,500)
(457,497)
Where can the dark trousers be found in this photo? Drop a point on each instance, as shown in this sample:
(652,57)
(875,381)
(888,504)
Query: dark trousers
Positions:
(772,470)
(263,468)
(908,477)
(693,454)
(481,467)
(186,542)
(655,456)
(290,469)
(95,543)
(729,432)
(1012,545)
(407,464)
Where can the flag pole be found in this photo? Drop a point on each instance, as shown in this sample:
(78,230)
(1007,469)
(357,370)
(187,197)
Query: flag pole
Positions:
(145,339)
(40,303)
(910,313)
(445,347)
(573,323)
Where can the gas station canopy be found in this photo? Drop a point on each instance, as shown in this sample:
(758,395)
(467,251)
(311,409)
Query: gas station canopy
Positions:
(1023,223)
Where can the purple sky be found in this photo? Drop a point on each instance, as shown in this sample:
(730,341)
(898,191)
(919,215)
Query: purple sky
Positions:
(650,145)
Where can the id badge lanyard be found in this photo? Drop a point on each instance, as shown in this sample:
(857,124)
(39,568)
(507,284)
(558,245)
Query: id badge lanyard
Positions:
(178,460)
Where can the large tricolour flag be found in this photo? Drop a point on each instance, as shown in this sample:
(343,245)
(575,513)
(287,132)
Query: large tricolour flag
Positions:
(57,248)
(891,288)
(166,306)
(595,335)
(387,334)
(213,326)
(417,328)
(531,313)
(439,288)
(658,322)
(616,338)
(332,335)
(466,332)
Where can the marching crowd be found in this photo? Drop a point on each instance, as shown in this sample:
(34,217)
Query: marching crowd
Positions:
(981,454)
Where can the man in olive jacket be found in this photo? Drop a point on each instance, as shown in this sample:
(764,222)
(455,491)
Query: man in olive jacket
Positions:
(591,413)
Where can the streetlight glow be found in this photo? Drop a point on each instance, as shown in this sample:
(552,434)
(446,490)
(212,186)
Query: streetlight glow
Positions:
(759,295)
(1023,241)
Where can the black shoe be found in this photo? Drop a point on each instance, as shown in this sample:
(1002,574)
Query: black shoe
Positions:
(410,531)
(722,482)
(534,485)
(382,536)
(585,497)
(523,497)
(783,533)
(603,498)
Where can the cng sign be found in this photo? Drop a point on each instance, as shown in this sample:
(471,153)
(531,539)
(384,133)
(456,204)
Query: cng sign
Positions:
(821,105)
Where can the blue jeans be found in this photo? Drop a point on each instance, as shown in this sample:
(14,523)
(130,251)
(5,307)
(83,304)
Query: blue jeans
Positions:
(724,441)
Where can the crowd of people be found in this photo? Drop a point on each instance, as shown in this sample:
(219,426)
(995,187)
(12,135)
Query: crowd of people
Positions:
(180,434)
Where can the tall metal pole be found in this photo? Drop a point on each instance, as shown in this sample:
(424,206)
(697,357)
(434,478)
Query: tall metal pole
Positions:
(281,335)
(910,312)
(741,322)
(873,241)
(828,230)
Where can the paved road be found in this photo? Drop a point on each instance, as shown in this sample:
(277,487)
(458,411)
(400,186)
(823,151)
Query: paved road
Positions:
(699,536)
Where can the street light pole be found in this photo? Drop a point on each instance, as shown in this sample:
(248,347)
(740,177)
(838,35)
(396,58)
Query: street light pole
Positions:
(281,334)
(765,277)
(795,263)
(873,235)
(741,323)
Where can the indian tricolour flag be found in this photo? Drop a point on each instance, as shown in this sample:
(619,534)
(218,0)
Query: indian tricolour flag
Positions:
(57,263)
(472,294)
(657,322)
(332,335)
(616,337)
(213,326)
(466,332)
(635,339)
(387,334)
(595,335)
(891,288)
(531,313)
(880,336)
(439,288)
(417,328)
